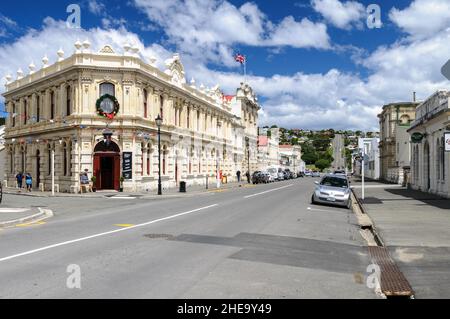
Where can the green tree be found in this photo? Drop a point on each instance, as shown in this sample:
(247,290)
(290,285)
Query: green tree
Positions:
(322,164)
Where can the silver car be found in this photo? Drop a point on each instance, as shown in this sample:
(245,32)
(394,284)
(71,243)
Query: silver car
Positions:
(332,189)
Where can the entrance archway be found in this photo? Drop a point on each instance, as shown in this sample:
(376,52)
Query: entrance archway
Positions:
(107,165)
(38,168)
(426,159)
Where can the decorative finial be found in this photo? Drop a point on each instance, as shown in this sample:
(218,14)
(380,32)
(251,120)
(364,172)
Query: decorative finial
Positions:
(78,46)
(193,83)
(60,54)
(152,60)
(45,61)
(135,50)
(19,74)
(86,45)
(8,78)
(32,67)
(126,48)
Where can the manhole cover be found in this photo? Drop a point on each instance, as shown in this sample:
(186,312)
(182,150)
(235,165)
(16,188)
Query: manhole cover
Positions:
(159,236)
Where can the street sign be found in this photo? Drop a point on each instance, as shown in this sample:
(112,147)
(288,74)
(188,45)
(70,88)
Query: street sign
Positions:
(447,141)
(445,70)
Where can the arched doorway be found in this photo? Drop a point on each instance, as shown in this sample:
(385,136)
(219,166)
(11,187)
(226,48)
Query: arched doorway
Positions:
(38,168)
(426,160)
(107,165)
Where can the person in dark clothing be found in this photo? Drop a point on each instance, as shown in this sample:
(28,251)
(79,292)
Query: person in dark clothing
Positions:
(19,178)
(238,174)
(248,177)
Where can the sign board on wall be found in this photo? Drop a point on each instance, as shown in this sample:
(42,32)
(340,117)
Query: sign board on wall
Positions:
(447,141)
(127,165)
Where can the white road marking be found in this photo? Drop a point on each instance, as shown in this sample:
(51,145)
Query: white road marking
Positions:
(123,197)
(13,210)
(270,190)
(321,210)
(104,234)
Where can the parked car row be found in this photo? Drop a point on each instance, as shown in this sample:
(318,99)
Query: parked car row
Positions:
(273,174)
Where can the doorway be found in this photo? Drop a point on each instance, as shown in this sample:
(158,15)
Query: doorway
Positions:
(107,166)
(38,168)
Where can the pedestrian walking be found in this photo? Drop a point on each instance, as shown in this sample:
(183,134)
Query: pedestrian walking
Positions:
(238,174)
(248,176)
(19,178)
(28,181)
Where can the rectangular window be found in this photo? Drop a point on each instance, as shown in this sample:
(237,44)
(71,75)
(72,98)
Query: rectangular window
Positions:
(13,115)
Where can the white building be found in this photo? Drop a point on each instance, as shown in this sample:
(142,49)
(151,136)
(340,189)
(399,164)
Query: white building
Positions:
(430,165)
(291,158)
(268,150)
(369,148)
(95,111)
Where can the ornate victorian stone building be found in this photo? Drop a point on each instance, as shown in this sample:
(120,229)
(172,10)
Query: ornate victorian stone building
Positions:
(430,132)
(96,112)
(394,120)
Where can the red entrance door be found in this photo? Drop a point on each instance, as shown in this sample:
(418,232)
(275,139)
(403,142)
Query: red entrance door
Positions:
(107,170)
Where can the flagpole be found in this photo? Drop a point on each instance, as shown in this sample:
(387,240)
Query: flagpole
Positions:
(245,70)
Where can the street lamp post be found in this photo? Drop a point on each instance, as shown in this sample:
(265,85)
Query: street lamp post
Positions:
(158,121)
(248,157)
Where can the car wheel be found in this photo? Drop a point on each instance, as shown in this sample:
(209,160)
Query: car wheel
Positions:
(312,200)
(349,204)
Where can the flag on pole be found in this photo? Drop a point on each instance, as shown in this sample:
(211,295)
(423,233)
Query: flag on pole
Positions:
(240,58)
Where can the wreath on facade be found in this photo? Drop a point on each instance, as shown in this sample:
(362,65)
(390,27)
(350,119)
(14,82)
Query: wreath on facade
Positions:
(101,112)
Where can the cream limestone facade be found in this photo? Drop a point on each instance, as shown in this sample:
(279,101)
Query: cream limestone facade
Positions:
(430,163)
(53,111)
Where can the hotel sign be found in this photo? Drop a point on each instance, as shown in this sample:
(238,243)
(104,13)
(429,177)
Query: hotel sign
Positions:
(416,137)
(447,141)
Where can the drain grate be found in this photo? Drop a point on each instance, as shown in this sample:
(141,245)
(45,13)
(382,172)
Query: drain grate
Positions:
(159,236)
(393,282)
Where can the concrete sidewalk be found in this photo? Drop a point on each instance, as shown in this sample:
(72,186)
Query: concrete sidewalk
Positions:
(415,226)
(11,216)
(171,192)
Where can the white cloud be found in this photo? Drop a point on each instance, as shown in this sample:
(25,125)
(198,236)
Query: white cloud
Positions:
(210,28)
(423,17)
(342,15)
(96,7)
(301,34)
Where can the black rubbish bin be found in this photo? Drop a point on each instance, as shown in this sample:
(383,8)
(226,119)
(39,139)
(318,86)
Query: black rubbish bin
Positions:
(182,187)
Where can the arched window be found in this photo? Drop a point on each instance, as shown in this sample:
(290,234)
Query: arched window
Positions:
(107,88)
(25,112)
(144,96)
(68,98)
(142,159)
(11,160)
(442,146)
(161,106)
(198,121)
(65,159)
(438,160)
(188,118)
(38,108)
(148,159)
(52,105)
(49,160)
(164,160)
(24,159)
(13,115)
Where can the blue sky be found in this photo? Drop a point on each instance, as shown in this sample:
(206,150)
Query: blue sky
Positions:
(314,63)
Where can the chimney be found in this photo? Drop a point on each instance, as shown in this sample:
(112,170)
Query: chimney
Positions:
(414,96)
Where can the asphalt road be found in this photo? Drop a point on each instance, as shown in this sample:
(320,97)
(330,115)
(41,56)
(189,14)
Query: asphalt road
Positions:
(266,241)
